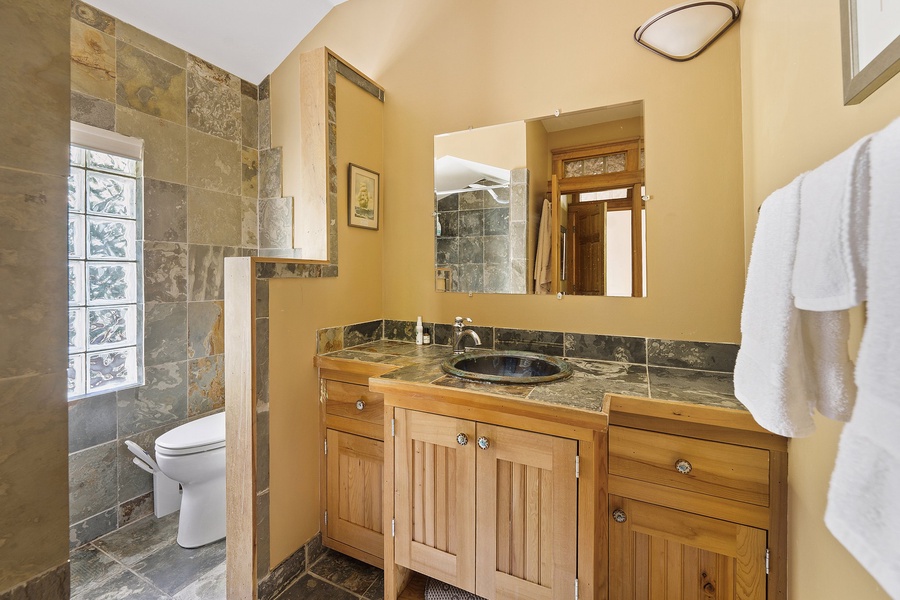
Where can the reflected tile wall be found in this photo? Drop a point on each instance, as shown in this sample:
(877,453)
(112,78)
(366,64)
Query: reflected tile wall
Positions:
(202,128)
(483,237)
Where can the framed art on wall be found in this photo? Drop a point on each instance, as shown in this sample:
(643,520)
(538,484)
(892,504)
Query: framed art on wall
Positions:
(870,45)
(363,197)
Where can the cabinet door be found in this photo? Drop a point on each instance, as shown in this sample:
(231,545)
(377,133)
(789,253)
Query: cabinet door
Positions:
(434,502)
(354,491)
(662,553)
(526,514)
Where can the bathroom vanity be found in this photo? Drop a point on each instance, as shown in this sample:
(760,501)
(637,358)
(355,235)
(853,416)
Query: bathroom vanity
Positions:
(571,489)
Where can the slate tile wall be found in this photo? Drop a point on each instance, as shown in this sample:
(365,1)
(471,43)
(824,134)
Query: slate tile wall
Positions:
(34,70)
(483,238)
(200,126)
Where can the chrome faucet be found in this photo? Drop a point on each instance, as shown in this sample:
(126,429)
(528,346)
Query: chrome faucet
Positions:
(459,333)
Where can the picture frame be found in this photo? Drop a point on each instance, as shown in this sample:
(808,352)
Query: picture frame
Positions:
(363,197)
(870,46)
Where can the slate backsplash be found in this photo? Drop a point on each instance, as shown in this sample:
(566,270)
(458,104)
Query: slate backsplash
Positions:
(702,356)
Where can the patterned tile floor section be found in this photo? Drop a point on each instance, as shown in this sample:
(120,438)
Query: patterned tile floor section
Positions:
(142,561)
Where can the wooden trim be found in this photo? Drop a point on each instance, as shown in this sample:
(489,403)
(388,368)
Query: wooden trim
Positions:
(695,420)
(563,421)
(240,427)
(395,576)
(778,527)
(350,371)
(637,246)
(593,546)
(555,209)
(589,150)
(593,183)
(354,426)
(369,559)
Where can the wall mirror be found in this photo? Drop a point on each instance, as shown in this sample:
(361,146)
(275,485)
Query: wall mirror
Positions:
(545,206)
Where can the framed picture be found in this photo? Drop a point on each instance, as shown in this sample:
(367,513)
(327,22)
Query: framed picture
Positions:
(870,44)
(363,197)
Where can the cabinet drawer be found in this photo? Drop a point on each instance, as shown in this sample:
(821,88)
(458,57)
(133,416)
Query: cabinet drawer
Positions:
(713,468)
(342,400)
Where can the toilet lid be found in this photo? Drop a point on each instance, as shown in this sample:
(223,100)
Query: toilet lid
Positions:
(203,434)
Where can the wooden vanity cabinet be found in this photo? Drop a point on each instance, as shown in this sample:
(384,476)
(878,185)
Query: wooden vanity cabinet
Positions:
(500,504)
(489,509)
(697,503)
(352,463)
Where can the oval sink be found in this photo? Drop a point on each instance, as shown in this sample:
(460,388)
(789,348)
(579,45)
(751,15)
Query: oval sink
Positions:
(507,366)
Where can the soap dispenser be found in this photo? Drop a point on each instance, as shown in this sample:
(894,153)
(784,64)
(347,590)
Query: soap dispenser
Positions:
(419,331)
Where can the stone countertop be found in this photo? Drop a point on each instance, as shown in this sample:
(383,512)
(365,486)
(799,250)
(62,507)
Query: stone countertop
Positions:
(585,389)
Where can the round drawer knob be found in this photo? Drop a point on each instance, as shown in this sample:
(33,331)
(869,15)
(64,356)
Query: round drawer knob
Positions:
(360,405)
(483,443)
(462,439)
(619,516)
(683,466)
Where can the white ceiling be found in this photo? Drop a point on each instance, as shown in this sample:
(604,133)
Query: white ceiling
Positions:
(247,39)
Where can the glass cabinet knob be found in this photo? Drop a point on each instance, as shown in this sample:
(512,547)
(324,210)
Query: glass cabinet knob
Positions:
(360,405)
(483,443)
(683,466)
(462,439)
(619,516)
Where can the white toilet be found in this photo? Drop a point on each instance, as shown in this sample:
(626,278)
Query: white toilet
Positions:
(194,456)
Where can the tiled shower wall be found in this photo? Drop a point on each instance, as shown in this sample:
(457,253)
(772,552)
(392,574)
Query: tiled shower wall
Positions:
(204,130)
(483,238)
(34,71)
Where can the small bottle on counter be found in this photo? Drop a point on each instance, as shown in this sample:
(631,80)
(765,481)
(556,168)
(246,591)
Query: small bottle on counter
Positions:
(419,332)
(426,337)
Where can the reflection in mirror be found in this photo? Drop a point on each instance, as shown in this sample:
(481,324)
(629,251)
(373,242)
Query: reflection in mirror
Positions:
(551,205)
(480,210)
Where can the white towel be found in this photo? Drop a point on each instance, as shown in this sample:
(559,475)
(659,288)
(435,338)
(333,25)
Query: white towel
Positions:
(768,378)
(790,361)
(829,271)
(542,271)
(862,508)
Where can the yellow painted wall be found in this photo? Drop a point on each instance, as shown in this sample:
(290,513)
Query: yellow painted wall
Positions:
(297,307)
(612,131)
(707,171)
(794,119)
(500,146)
(447,65)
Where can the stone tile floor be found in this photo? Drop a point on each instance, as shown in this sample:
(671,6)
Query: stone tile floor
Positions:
(142,561)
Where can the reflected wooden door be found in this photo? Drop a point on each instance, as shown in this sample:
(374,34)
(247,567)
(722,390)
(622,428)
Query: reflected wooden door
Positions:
(434,499)
(527,515)
(587,248)
(659,553)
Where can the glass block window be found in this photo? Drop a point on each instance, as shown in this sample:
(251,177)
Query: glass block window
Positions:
(105,301)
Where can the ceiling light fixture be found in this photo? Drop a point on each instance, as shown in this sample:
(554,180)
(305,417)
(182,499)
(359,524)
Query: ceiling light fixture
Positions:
(683,31)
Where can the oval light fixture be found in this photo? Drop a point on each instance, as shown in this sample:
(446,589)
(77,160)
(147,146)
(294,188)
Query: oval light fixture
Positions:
(683,31)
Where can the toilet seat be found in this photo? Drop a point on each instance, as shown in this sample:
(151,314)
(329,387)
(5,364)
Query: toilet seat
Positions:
(197,436)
